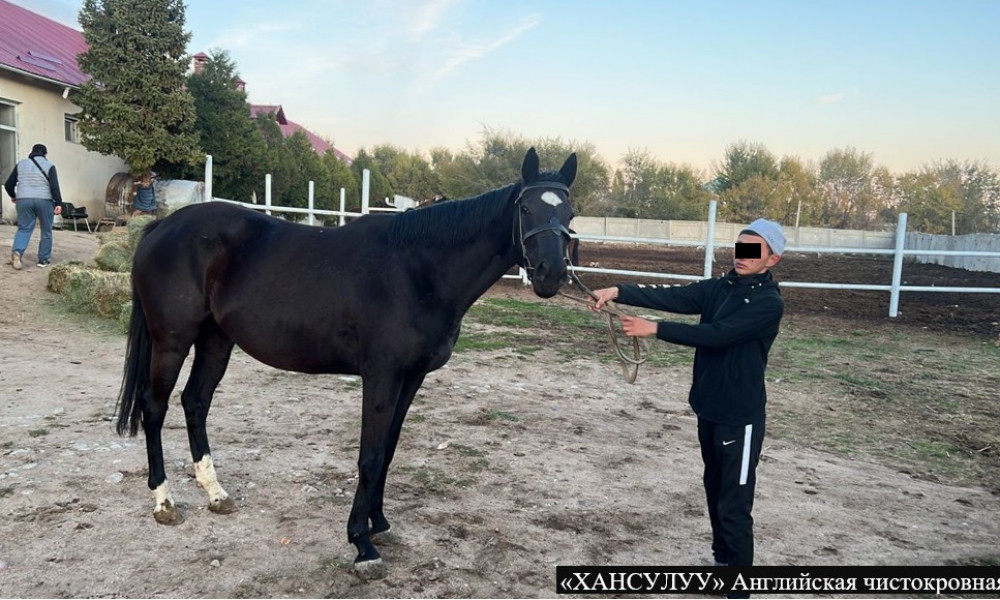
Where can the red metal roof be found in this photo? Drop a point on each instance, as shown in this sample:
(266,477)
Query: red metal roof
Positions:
(289,127)
(40,47)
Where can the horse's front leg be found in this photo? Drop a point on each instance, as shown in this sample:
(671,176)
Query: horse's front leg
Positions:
(378,408)
(380,525)
(212,351)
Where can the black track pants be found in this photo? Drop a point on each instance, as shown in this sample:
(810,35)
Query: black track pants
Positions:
(730,454)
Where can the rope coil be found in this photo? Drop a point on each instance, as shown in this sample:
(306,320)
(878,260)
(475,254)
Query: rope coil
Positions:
(629,364)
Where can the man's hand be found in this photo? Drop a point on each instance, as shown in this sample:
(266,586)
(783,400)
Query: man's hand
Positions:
(636,327)
(604,295)
(59,209)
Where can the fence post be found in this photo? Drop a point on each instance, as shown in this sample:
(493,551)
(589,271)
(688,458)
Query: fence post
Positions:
(208,179)
(343,205)
(897,265)
(710,243)
(365,189)
(312,203)
(267,194)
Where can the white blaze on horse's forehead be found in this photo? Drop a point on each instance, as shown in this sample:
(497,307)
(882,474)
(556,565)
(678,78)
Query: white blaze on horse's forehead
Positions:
(551,198)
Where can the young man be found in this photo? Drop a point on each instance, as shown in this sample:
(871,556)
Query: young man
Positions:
(38,197)
(740,314)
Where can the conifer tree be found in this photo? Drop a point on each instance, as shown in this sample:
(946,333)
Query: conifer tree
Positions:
(227,130)
(135,105)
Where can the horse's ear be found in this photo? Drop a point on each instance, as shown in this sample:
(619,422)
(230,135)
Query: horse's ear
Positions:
(568,170)
(529,168)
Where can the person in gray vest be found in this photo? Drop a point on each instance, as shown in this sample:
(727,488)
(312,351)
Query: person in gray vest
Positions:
(38,197)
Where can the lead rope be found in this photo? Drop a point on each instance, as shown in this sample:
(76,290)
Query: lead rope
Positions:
(629,364)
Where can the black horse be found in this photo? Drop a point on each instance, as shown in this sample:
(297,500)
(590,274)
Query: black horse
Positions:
(382,297)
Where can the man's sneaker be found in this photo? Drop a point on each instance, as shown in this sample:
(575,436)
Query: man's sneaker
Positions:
(15,260)
(44,263)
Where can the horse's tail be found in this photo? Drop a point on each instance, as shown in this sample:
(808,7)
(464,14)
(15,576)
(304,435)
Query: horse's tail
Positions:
(138,354)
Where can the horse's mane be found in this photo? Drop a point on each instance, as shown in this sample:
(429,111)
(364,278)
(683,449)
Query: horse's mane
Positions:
(455,221)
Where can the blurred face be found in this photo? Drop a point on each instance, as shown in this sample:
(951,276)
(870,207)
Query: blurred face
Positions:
(754,266)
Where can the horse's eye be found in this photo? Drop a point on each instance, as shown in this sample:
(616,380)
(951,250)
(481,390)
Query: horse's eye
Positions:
(525,210)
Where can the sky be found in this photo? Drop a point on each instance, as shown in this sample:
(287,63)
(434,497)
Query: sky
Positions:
(909,82)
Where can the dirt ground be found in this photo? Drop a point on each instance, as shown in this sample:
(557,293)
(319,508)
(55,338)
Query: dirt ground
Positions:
(508,466)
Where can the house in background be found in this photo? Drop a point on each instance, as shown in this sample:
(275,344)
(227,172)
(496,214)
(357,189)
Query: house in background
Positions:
(289,127)
(38,78)
(320,146)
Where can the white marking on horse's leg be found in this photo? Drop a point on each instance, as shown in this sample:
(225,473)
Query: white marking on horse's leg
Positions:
(162,496)
(165,512)
(204,472)
(218,499)
(551,198)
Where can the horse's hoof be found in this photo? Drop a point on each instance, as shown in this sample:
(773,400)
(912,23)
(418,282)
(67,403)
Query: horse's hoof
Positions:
(388,537)
(370,569)
(168,516)
(224,506)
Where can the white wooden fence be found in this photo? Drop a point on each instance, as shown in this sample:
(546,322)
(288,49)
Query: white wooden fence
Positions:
(894,287)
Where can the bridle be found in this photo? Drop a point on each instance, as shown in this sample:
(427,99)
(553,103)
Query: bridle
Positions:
(629,364)
(552,224)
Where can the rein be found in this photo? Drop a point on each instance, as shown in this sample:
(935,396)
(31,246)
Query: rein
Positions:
(629,364)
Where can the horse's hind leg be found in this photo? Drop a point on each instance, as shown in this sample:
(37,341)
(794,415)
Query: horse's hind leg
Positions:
(211,357)
(165,366)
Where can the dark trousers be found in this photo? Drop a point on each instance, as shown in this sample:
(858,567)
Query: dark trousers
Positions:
(731,454)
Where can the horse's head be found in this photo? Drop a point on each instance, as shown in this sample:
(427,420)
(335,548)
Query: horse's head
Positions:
(542,223)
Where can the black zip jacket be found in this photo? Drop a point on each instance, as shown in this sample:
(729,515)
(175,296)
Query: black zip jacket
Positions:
(739,321)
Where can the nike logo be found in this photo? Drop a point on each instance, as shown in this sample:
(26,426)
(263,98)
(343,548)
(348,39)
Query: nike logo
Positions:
(729,442)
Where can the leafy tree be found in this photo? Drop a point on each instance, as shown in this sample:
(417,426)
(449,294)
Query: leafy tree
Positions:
(308,167)
(379,186)
(927,201)
(409,174)
(978,186)
(742,161)
(227,130)
(279,161)
(651,190)
(753,198)
(341,176)
(970,190)
(135,105)
(495,161)
(747,171)
(853,189)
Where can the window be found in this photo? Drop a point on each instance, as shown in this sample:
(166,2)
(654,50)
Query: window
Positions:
(8,137)
(72,130)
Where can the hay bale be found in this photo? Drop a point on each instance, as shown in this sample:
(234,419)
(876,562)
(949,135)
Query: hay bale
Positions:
(125,316)
(111,292)
(60,274)
(135,227)
(114,256)
(87,289)
(118,246)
